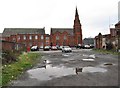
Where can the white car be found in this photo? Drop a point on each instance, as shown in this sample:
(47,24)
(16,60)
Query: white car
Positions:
(60,47)
(86,46)
(53,48)
(34,48)
(66,49)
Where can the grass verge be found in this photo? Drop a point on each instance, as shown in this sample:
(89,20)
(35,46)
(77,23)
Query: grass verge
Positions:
(13,70)
(107,51)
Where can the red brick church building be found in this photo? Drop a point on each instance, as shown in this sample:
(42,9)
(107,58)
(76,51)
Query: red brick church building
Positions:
(67,36)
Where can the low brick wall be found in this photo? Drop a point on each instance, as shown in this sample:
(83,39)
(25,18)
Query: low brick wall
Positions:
(6,45)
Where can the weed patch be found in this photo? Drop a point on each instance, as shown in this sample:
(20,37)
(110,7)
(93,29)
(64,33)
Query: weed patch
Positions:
(13,70)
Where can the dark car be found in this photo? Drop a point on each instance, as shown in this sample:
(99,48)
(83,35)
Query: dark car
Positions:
(34,48)
(46,48)
(79,46)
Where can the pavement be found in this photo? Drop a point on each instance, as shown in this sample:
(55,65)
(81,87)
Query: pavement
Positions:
(82,67)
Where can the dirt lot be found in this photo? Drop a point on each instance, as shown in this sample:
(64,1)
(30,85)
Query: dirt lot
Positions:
(79,68)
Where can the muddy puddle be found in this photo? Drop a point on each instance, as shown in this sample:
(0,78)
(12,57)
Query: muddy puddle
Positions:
(88,60)
(48,72)
(93,69)
(92,56)
(66,54)
(89,56)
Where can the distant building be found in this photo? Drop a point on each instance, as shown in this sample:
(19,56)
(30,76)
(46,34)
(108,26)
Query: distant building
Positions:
(119,11)
(117,25)
(88,41)
(27,36)
(98,41)
(113,37)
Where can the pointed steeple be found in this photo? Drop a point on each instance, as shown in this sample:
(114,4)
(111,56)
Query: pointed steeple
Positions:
(76,16)
(76,12)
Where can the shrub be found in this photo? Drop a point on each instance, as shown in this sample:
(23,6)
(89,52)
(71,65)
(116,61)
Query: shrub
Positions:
(109,46)
(8,56)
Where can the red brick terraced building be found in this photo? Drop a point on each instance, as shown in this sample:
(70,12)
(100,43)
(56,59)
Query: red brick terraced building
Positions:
(27,36)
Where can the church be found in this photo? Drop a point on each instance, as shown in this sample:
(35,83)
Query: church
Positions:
(67,36)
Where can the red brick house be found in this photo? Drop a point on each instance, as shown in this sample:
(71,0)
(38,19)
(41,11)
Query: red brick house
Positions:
(67,36)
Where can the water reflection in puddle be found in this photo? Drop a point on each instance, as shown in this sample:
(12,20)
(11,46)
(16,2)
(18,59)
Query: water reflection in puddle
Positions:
(90,70)
(47,62)
(66,54)
(93,69)
(88,59)
(50,72)
(92,56)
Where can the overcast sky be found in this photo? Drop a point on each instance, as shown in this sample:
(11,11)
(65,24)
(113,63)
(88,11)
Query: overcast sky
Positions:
(95,15)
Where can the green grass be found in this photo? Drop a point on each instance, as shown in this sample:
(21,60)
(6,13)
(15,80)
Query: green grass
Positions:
(12,71)
(107,51)
(0,76)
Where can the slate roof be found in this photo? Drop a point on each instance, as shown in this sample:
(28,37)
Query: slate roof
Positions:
(61,30)
(13,31)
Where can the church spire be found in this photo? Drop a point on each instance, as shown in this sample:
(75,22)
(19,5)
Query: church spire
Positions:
(76,13)
(77,29)
(77,16)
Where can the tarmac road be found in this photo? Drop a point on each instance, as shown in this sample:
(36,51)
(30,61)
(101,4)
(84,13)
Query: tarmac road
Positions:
(79,68)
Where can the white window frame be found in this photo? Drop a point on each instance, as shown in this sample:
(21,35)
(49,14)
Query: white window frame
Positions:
(30,37)
(24,37)
(36,37)
(42,37)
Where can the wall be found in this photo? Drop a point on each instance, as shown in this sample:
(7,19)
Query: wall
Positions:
(6,45)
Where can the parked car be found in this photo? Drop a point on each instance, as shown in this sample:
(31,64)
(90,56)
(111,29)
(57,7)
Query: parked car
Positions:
(46,48)
(41,47)
(87,46)
(53,48)
(66,49)
(91,46)
(79,46)
(60,48)
(34,48)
